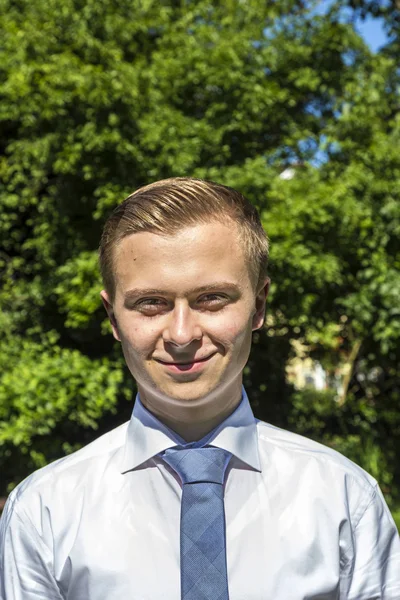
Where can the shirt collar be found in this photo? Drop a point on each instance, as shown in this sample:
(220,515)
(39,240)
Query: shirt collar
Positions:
(148,436)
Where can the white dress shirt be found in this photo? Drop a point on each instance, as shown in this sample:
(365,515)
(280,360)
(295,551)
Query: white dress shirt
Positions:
(302,521)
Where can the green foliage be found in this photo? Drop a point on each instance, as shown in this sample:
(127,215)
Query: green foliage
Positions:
(47,394)
(396,517)
(99,98)
(52,384)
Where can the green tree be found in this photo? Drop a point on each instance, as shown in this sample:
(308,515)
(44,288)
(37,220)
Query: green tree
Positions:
(98,98)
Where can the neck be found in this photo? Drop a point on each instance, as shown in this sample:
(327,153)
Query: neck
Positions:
(193,424)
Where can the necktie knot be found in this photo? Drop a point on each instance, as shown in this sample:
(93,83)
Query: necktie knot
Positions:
(195,465)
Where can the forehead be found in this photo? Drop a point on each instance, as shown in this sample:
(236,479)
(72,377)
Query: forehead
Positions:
(193,256)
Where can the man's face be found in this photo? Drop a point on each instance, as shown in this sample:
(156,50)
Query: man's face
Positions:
(184,310)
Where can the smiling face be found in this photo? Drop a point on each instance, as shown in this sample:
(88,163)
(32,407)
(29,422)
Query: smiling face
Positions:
(184,311)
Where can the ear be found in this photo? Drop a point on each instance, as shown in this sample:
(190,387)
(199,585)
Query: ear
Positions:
(110,311)
(260,302)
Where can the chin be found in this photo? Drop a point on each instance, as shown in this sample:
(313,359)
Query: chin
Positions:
(188,392)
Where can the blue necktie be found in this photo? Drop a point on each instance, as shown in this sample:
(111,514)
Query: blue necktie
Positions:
(203,553)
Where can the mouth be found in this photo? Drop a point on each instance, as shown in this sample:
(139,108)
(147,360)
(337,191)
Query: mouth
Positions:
(192,365)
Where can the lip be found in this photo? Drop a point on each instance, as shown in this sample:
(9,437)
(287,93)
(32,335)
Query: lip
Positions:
(179,367)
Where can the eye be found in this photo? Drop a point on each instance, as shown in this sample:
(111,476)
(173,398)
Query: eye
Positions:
(212,297)
(149,301)
(213,300)
(150,306)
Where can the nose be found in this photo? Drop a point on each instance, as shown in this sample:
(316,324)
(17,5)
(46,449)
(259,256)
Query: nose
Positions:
(182,327)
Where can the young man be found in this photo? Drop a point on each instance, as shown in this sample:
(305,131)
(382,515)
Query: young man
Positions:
(194,498)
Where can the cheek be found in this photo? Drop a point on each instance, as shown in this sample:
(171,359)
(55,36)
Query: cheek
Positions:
(138,339)
(232,329)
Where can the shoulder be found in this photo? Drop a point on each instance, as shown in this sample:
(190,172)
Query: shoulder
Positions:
(69,471)
(304,454)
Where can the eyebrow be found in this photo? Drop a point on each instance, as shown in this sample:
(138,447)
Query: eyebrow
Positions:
(135,292)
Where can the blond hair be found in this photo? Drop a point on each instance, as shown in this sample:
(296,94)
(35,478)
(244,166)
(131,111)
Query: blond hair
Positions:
(166,206)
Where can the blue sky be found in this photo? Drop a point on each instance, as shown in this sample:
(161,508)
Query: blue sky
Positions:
(373,32)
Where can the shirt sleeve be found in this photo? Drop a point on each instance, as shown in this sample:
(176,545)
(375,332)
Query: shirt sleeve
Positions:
(25,560)
(376,566)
